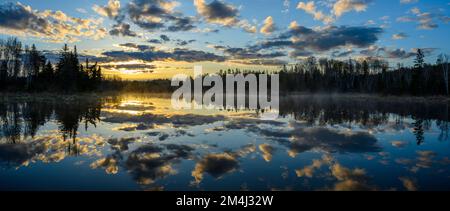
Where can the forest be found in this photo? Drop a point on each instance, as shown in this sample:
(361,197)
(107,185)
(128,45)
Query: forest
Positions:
(26,69)
(368,76)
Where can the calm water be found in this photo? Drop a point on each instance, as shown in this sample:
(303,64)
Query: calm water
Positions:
(137,142)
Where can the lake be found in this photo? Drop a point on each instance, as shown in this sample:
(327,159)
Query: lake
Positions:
(138,142)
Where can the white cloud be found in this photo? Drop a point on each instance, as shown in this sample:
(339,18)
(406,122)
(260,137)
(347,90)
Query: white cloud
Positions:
(52,26)
(399,36)
(408,1)
(343,6)
(311,9)
(81,10)
(339,8)
(111,10)
(269,26)
(425,20)
(286,6)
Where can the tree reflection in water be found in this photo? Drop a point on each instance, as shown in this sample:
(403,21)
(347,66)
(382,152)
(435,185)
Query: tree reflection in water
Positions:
(366,111)
(316,124)
(22,119)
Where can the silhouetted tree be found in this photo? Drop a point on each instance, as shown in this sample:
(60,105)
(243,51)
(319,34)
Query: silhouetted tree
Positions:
(443,61)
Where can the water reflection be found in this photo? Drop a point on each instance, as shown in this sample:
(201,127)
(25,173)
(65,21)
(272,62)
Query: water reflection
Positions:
(140,142)
(22,119)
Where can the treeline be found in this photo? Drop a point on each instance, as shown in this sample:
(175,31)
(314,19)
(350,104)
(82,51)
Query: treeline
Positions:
(367,76)
(153,86)
(371,75)
(27,69)
(324,75)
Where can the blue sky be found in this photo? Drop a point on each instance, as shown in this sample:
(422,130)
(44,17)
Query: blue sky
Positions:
(229,33)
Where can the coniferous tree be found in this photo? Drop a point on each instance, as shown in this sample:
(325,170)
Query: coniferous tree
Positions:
(3,74)
(416,86)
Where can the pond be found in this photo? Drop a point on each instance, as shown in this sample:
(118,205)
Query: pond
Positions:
(138,142)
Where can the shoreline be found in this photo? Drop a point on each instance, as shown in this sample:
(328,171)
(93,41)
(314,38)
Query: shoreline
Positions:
(380,97)
(95,95)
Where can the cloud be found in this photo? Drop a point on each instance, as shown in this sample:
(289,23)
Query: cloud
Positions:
(52,148)
(425,20)
(151,15)
(181,24)
(308,171)
(53,26)
(310,8)
(269,26)
(383,52)
(305,40)
(301,139)
(346,179)
(215,165)
(327,140)
(122,143)
(151,12)
(399,144)
(445,19)
(184,42)
(399,36)
(247,27)
(408,183)
(218,12)
(110,10)
(81,10)
(425,159)
(249,56)
(156,119)
(122,29)
(149,163)
(286,6)
(267,151)
(337,9)
(343,6)
(134,68)
(135,46)
(219,164)
(408,1)
(350,179)
(162,39)
(109,164)
(247,53)
(401,53)
(332,37)
(178,54)
(300,53)
(340,54)
(397,53)
(165,38)
(264,62)
(155,41)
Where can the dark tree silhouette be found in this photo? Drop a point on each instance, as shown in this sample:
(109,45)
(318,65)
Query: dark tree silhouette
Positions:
(370,75)
(29,70)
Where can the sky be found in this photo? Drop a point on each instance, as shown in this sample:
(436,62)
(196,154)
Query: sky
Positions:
(147,39)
